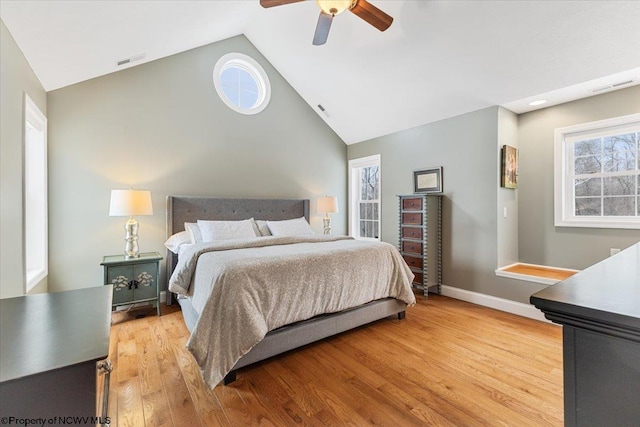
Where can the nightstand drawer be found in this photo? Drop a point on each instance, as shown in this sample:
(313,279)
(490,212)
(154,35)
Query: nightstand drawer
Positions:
(412,204)
(415,247)
(411,233)
(418,279)
(412,218)
(412,261)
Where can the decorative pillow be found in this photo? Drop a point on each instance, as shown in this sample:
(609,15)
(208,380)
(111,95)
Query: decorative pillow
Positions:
(194,232)
(174,242)
(225,230)
(290,227)
(263,228)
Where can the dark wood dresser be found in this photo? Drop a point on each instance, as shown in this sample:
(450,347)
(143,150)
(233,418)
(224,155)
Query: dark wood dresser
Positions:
(599,310)
(420,239)
(50,345)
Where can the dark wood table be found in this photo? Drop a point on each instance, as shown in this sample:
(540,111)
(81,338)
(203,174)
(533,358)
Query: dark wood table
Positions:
(599,309)
(49,346)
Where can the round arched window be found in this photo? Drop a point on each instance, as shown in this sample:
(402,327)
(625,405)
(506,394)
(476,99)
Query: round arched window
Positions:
(241,83)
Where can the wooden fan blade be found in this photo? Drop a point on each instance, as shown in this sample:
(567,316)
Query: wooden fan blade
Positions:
(322,29)
(372,15)
(271,3)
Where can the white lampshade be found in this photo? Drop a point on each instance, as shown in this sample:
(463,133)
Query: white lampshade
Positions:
(130,203)
(327,204)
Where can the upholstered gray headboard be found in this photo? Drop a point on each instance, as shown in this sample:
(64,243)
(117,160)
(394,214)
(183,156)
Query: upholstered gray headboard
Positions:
(181,209)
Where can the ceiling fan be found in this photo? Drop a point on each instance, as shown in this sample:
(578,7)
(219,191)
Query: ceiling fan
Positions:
(331,8)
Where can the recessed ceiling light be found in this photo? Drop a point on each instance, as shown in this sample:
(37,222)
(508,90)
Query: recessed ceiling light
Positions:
(537,102)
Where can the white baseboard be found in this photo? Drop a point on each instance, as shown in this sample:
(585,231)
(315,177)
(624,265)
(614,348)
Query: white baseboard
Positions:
(514,307)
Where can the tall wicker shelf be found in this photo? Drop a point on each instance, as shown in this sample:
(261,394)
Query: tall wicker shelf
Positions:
(420,239)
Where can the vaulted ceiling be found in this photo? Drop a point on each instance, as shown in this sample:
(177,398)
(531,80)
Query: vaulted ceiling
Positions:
(438,59)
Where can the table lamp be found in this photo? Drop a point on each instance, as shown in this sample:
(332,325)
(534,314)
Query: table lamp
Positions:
(129,203)
(327,205)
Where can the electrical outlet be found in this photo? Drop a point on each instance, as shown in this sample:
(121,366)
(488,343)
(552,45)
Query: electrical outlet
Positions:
(613,251)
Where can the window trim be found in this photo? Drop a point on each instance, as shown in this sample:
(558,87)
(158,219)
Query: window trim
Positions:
(354,179)
(33,114)
(563,190)
(254,69)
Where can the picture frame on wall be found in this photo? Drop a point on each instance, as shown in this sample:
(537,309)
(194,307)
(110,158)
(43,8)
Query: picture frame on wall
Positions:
(428,180)
(509,168)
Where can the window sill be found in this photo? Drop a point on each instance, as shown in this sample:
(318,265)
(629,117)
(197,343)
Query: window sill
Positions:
(535,273)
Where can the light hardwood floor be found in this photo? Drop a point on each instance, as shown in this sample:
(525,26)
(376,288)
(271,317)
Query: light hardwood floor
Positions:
(449,363)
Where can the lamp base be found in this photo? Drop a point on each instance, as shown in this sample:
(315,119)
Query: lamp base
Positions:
(326,221)
(131,249)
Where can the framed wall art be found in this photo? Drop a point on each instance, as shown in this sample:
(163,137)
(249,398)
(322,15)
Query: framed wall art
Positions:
(428,180)
(509,169)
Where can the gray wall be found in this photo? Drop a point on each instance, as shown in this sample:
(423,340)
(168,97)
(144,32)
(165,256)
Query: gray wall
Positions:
(161,126)
(16,78)
(507,198)
(467,148)
(540,242)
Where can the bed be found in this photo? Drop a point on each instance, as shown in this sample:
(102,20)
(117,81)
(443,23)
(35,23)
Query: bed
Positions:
(285,337)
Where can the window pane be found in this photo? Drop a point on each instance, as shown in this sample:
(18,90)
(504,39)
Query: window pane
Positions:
(589,146)
(375,211)
(619,185)
(362,229)
(588,187)
(230,77)
(588,206)
(247,81)
(369,183)
(375,171)
(375,229)
(232,94)
(619,206)
(619,161)
(248,99)
(589,164)
(617,143)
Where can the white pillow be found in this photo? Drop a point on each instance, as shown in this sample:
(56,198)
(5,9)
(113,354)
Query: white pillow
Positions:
(225,230)
(290,227)
(194,232)
(174,242)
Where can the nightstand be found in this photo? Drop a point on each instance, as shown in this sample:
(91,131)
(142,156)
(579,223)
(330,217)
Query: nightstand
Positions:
(134,280)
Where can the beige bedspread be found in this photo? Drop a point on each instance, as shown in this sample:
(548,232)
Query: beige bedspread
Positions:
(246,288)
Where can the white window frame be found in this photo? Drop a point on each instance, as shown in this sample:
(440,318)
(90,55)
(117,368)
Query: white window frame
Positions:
(564,203)
(251,66)
(354,191)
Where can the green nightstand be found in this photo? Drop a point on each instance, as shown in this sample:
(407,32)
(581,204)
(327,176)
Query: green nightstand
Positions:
(134,280)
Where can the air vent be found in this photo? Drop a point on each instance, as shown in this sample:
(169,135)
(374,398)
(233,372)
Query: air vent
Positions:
(321,108)
(130,60)
(613,86)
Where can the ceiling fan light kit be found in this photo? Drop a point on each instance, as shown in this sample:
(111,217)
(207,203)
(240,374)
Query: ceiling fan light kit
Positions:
(330,8)
(335,7)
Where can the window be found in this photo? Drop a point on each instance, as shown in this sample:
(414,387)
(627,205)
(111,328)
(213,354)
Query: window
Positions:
(35,194)
(364,197)
(597,178)
(241,83)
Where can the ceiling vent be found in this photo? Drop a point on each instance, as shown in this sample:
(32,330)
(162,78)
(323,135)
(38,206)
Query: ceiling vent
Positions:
(613,86)
(126,61)
(321,108)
